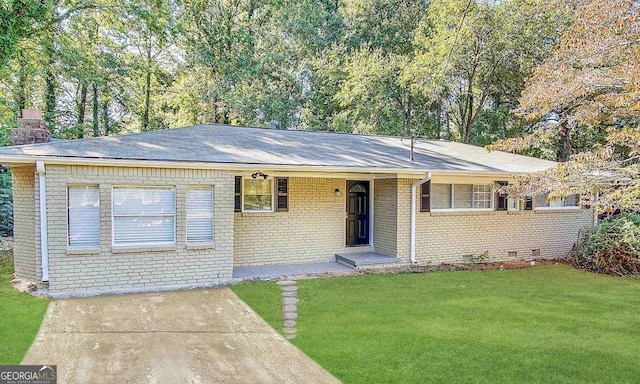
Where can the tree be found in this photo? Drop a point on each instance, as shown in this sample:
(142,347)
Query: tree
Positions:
(473,57)
(19,19)
(591,83)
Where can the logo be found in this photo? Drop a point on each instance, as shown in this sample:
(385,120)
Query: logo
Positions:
(28,374)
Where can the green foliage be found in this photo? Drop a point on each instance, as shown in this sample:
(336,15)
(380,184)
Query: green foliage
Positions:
(613,247)
(97,67)
(19,19)
(6,205)
(548,324)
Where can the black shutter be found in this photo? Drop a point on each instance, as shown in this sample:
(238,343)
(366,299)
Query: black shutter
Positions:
(528,203)
(282,194)
(425,197)
(501,198)
(238,195)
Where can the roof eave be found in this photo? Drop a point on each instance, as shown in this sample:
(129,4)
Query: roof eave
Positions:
(18,160)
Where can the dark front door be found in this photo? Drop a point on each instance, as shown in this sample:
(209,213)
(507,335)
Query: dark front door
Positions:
(357,212)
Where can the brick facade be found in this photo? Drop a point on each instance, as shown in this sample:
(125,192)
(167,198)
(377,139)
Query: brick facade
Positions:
(311,231)
(109,268)
(25,225)
(453,237)
(385,213)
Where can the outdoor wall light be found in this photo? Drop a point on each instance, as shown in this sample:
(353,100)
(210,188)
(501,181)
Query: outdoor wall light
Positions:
(337,192)
(255,175)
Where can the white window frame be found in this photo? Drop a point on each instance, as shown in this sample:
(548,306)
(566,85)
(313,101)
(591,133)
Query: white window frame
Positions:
(148,243)
(200,215)
(550,208)
(452,186)
(273,209)
(97,187)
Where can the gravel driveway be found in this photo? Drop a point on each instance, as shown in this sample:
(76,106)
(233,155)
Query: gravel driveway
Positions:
(199,336)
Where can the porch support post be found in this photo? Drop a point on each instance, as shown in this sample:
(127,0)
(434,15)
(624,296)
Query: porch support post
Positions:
(414,187)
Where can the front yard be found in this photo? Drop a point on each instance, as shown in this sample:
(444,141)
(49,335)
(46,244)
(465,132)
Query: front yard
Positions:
(549,324)
(20,316)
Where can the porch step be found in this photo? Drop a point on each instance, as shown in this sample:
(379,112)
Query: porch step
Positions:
(355,260)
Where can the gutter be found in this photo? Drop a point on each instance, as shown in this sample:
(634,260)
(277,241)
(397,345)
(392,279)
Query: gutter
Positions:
(412,246)
(44,240)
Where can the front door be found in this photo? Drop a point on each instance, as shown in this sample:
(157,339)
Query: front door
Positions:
(357,213)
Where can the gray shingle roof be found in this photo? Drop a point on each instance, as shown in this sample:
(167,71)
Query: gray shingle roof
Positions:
(221,144)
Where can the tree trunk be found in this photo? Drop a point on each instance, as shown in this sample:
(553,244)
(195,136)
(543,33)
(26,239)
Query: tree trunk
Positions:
(82,106)
(469,120)
(21,87)
(407,116)
(439,121)
(96,123)
(147,92)
(564,131)
(105,113)
(50,83)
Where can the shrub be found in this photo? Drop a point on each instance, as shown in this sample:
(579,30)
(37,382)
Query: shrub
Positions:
(613,247)
(6,206)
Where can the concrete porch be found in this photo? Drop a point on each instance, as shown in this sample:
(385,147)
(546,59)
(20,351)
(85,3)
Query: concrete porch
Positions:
(270,271)
(364,259)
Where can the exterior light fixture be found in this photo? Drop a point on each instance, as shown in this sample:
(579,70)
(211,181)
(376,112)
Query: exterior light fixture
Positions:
(337,192)
(255,175)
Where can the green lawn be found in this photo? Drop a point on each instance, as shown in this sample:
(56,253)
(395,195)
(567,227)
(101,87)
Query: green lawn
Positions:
(549,324)
(20,316)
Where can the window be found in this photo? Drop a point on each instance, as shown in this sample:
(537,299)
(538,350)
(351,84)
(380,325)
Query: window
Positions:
(542,201)
(441,196)
(257,195)
(461,196)
(425,197)
(144,216)
(200,214)
(282,184)
(238,195)
(83,216)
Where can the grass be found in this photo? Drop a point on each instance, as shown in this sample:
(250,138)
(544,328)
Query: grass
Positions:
(549,324)
(20,316)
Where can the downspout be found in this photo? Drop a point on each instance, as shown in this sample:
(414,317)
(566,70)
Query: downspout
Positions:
(414,186)
(44,241)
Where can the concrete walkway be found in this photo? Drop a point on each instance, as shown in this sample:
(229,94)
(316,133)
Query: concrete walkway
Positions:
(266,271)
(199,336)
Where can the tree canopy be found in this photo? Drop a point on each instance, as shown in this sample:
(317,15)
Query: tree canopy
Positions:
(556,79)
(584,104)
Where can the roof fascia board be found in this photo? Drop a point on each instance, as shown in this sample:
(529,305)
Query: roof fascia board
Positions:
(237,167)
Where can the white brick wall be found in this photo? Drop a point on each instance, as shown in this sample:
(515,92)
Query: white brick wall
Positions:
(385,222)
(27,264)
(447,237)
(311,231)
(107,268)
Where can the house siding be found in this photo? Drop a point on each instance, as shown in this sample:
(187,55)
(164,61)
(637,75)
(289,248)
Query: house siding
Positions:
(312,230)
(447,237)
(27,263)
(106,268)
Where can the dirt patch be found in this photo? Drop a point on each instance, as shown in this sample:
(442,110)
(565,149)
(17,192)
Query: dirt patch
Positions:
(514,264)
(23,286)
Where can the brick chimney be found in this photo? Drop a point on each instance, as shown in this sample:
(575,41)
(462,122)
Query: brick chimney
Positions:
(31,128)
